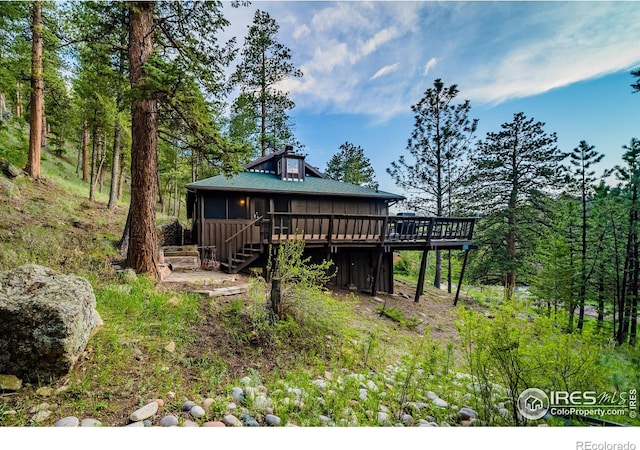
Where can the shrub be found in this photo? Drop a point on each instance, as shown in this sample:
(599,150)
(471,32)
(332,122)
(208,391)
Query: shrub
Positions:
(513,352)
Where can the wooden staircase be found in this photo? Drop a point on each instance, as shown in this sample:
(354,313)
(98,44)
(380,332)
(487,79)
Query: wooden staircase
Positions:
(242,258)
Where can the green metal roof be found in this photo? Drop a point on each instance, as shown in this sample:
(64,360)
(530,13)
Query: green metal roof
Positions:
(265,182)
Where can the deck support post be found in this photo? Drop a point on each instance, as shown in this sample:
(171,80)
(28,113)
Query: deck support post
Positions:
(423,269)
(464,265)
(376,271)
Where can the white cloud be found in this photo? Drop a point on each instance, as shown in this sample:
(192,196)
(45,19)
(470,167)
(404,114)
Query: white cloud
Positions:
(302,30)
(429,65)
(492,51)
(379,39)
(580,43)
(385,71)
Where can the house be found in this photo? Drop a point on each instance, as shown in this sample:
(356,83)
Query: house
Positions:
(281,196)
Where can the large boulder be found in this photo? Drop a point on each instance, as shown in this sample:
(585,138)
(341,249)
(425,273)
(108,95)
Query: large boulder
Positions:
(46,321)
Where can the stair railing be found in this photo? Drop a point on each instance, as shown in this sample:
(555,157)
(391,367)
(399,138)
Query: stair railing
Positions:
(238,240)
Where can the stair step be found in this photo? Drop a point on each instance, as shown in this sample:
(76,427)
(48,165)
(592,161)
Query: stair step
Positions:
(180,250)
(182,260)
(184,267)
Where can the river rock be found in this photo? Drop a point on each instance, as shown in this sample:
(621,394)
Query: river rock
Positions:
(47,319)
(70,421)
(271,420)
(145,412)
(186,406)
(89,422)
(231,421)
(169,421)
(439,402)
(197,411)
(466,413)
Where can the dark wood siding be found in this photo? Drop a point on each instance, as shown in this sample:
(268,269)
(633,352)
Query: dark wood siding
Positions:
(357,267)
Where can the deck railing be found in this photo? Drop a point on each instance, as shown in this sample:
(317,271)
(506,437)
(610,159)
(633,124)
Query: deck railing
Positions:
(353,228)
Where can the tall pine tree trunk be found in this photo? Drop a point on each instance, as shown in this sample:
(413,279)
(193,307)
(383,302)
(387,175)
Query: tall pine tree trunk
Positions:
(510,276)
(113,191)
(85,151)
(37,94)
(142,254)
(92,177)
(601,295)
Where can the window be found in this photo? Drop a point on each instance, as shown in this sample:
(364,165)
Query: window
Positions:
(226,208)
(215,208)
(238,208)
(291,169)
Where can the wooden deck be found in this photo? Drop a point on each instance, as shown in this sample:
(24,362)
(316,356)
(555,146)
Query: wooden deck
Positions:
(241,242)
(390,232)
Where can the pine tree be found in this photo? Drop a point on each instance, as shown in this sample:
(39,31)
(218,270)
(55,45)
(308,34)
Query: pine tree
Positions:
(439,147)
(37,93)
(628,306)
(511,174)
(583,158)
(265,63)
(351,166)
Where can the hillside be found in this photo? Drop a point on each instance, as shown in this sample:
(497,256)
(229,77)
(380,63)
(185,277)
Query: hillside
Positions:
(340,359)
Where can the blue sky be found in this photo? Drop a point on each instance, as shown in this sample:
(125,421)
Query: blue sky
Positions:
(566,64)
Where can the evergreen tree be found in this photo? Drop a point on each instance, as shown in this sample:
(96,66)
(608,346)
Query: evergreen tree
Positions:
(36,114)
(175,60)
(439,147)
(265,63)
(351,166)
(628,305)
(511,175)
(583,158)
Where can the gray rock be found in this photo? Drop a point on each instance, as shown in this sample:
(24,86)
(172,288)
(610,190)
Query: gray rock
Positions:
(189,423)
(8,188)
(249,421)
(47,319)
(135,424)
(431,395)
(10,383)
(237,394)
(466,413)
(363,394)
(70,421)
(297,393)
(197,411)
(271,420)
(439,402)
(320,384)
(9,169)
(407,419)
(169,421)
(383,418)
(89,422)
(147,423)
(231,421)
(41,416)
(145,412)
(186,406)
(324,419)
(261,403)
(246,381)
